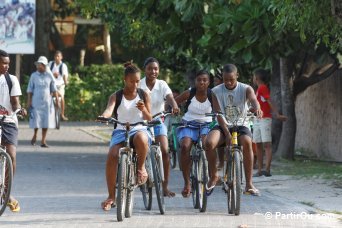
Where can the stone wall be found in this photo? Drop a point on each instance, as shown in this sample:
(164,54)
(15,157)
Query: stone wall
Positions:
(319,119)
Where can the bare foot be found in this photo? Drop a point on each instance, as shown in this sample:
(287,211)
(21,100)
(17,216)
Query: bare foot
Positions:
(169,193)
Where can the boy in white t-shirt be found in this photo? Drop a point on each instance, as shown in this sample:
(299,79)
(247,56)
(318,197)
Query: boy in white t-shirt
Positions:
(9,102)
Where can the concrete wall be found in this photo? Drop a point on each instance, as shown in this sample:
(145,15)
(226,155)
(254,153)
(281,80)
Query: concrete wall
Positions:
(319,119)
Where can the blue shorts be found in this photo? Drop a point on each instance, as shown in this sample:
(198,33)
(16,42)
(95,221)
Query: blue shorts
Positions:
(10,134)
(118,136)
(192,132)
(160,129)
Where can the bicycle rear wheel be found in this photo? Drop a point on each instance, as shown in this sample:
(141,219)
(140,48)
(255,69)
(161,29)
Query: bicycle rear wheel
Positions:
(122,187)
(146,192)
(158,181)
(6,176)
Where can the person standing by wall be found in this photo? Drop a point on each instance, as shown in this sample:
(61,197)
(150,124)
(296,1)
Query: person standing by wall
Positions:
(60,72)
(262,127)
(39,100)
(9,102)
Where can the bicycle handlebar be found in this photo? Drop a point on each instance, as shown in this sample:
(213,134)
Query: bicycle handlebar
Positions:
(161,114)
(112,120)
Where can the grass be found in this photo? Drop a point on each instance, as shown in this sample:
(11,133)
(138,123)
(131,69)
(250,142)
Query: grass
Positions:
(308,168)
(103,134)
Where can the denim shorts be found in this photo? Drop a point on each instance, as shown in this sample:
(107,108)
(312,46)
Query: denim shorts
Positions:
(10,134)
(160,129)
(192,132)
(118,136)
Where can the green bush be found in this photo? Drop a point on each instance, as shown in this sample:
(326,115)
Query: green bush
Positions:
(89,89)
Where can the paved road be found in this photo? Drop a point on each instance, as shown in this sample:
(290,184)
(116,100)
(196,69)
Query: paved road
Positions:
(62,186)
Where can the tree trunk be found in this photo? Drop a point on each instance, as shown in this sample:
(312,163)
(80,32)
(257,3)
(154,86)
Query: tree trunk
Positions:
(287,140)
(43,27)
(107,45)
(276,100)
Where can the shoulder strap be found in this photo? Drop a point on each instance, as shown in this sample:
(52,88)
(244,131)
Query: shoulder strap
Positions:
(118,98)
(52,65)
(9,82)
(192,94)
(61,69)
(210,97)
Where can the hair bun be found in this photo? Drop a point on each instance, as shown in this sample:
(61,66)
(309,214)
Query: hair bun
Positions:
(128,63)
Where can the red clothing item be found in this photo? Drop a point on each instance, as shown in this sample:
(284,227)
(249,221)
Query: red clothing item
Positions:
(263,94)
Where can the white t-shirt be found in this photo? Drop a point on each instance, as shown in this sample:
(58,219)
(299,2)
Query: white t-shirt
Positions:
(128,112)
(158,94)
(5,100)
(196,111)
(59,80)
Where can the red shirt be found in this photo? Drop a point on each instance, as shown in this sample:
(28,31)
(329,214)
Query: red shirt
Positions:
(263,94)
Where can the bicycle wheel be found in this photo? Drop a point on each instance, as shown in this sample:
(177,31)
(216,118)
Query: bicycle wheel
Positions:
(122,187)
(6,176)
(146,192)
(194,184)
(234,191)
(130,191)
(172,154)
(58,116)
(202,181)
(158,181)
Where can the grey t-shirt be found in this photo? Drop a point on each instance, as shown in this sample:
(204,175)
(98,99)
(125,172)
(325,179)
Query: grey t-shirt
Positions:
(235,97)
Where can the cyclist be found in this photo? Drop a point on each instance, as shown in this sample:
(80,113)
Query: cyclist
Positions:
(159,92)
(232,92)
(198,103)
(134,106)
(262,127)
(9,101)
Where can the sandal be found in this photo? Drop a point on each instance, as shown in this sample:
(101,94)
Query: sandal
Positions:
(14,206)
(186,192)
(142,177)
(252,191)
(108,204)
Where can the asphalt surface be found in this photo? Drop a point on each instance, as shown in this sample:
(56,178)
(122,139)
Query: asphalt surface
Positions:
(63,186)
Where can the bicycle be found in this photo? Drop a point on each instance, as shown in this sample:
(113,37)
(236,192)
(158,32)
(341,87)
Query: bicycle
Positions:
(199,171)
(127,169)
(6,169)
(155,170)
(173,142)
(233,171)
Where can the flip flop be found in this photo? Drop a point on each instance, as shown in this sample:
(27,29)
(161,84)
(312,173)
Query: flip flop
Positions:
(209,190)
(252,191)
(142,177)
(14,206)
(108,204)
(44,145)
(186,192)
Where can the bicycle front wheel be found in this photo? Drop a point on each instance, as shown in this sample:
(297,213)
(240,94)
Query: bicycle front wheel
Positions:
(194,184)
(122,187)
(202,181)
(158,181)
(234,185)
(130,190)
(6,176)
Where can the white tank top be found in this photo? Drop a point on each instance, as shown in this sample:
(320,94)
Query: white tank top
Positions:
(196,111)
(128,112)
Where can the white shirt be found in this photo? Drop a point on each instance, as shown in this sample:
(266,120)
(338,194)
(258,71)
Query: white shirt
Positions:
(59,80)
(5,100)
(128,112)
(158,94)
(196,111)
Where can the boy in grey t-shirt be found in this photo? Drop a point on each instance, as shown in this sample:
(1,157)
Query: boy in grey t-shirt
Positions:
(232,92)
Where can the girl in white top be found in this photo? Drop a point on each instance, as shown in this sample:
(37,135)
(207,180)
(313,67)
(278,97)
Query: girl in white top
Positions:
(131,109)
(159,91)
(195,115)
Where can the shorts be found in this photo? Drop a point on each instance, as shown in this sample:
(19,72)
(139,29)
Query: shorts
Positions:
(61,90)
(160,129)
(262,130)
(118,136)
(192,132)
(242,130)
(10,134)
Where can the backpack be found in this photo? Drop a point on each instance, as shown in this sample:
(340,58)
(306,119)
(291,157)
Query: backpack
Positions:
(118,99)
(193,93)
(9,82)
(60,67)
